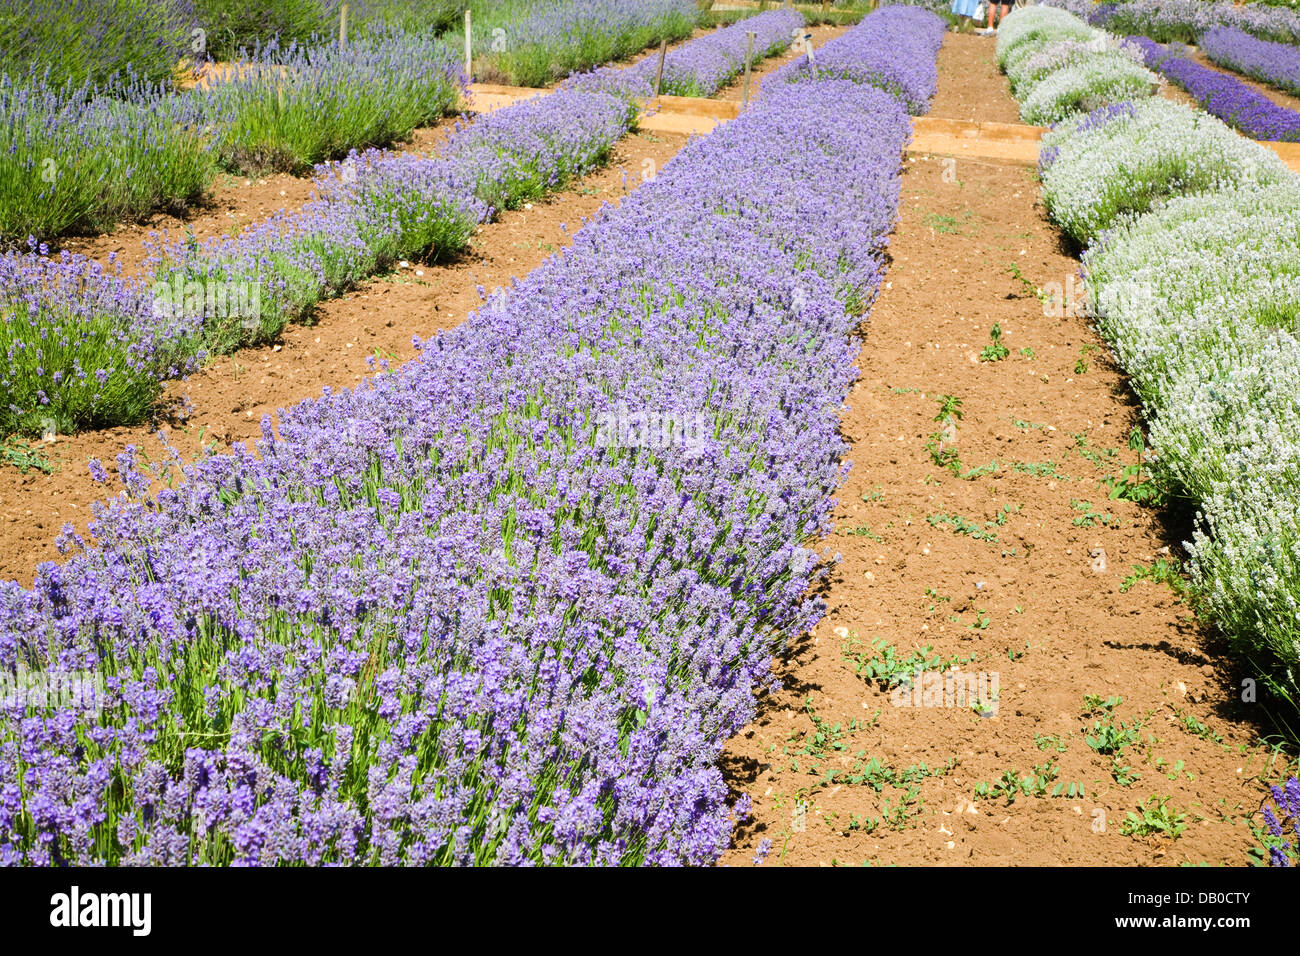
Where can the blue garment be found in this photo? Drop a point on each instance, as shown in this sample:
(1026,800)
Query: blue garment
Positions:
(965,8)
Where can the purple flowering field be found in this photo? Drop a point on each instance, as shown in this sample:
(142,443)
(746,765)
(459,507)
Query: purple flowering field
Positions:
(1274,63)
(454,615)
(1187,20)
(107,83)
(699,68)
(1189,260)
(644,558)
(374,209)
(1224,96)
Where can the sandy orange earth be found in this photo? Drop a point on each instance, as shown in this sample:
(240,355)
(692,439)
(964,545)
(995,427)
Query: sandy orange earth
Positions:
(1016,570)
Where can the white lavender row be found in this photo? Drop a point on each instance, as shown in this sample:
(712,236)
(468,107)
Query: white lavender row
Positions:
(1193,271)
(1057,65)
(1201,300)
(448,617)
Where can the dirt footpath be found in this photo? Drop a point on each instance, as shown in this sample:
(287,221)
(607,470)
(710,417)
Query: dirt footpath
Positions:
(995,681)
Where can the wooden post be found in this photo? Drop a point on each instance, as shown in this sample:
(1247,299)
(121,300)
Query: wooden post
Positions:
(749,59)
(659,73)
(469,56)
(343,25)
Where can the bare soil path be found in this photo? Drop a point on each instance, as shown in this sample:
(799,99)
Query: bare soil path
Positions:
(1010,565)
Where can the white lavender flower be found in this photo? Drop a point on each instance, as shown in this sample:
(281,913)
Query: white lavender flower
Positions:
(1093,79)
(1201,302)
(1097,168)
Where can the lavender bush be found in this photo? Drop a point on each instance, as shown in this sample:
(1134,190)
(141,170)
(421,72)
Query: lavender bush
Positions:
(1225,96)
(1200,299)
(530,43)
(75,161)
(81,345)
(1275,63)
(437,619)
(290,109)
(1282,822)
(1186,20)
(701,67)
(894,49)
(1193,268)
(538,145)
(372,210)
(1057,65)
(376,209)
(1041,60)
(1101,78)
(232,25)
(80,43)
(1030,29)
(85,159)
(1165,20)
(1096,169)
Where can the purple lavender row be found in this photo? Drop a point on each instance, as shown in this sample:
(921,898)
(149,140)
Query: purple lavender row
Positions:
(507,603)
(895,48)
(232,291)
(95,42)
(377,208)
(1186,20)
(65,374)
(699,68)
(1224,96)
(1275,63)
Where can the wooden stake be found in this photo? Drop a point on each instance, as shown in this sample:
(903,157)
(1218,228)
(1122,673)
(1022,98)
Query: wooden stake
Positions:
(343,25)
(659,73)
(749,58)
(469,57)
